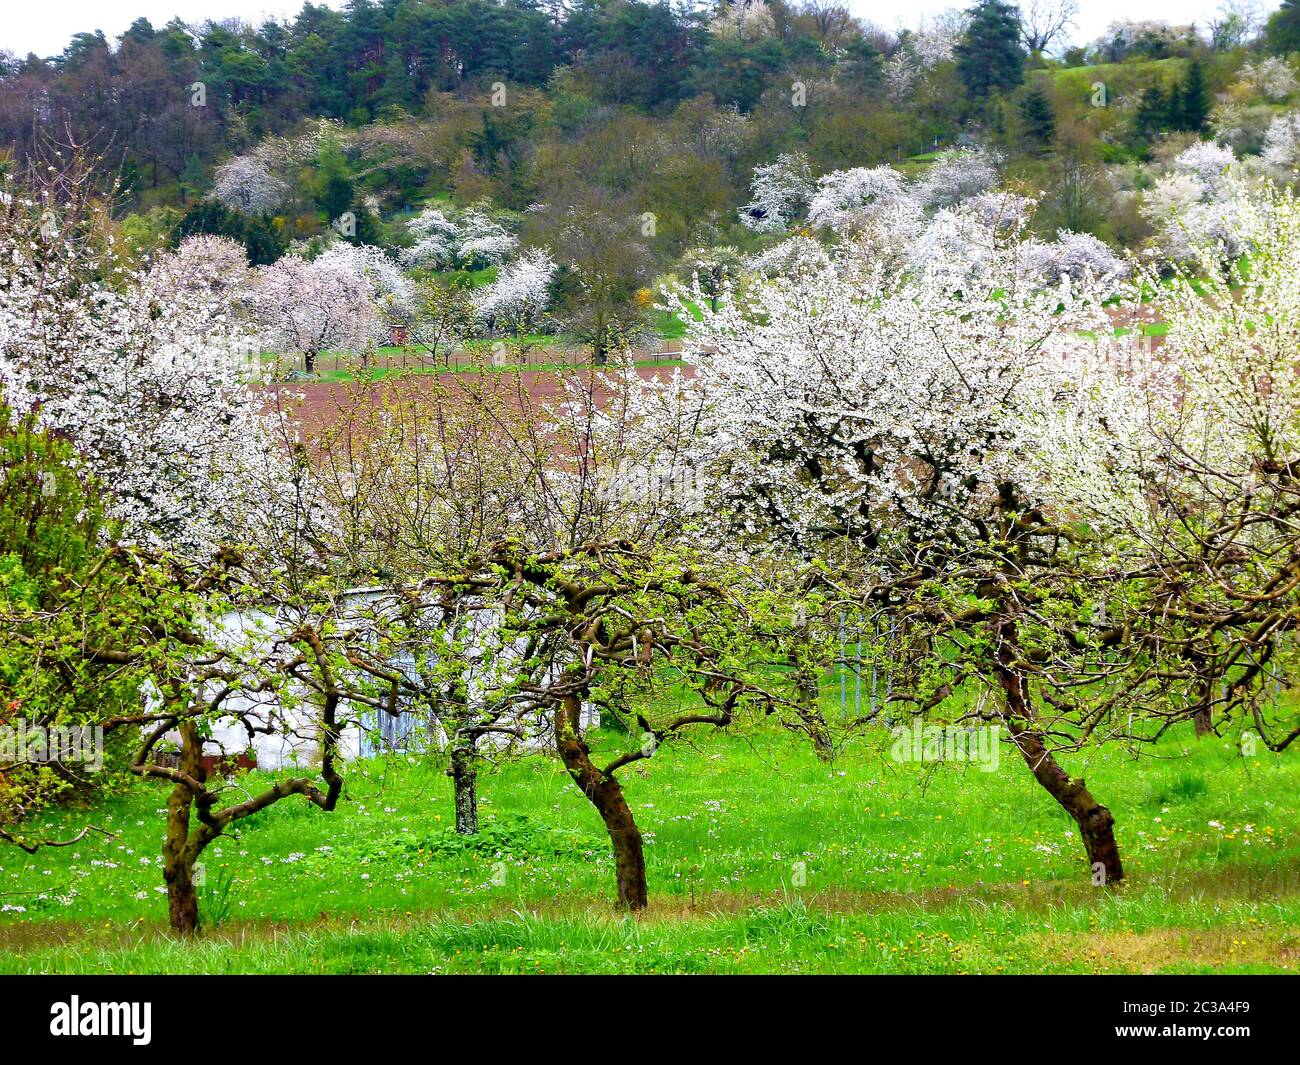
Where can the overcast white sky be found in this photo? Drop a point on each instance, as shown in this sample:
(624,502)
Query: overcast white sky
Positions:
(44,28)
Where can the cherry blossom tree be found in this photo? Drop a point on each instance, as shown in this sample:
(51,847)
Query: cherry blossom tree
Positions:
(214,268)
(934,42)
(847,197)
(518,297)
(472,240)
(246,184)
(307,308)
(1281,151)
(1208,163)
(945,443)
(1075,255)
(957,174)
(147,373)
(714,270)
(790,258)
(1223,405)
(780,193)
(392,291)
(436,240)
(1271,77)
(1003,211)
(483,241)
(954,248)
(189,484)
(1195,206)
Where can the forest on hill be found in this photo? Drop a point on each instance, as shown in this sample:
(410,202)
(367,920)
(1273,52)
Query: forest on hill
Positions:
(666,129)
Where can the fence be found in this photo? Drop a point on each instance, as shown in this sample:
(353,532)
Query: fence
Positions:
(536,356)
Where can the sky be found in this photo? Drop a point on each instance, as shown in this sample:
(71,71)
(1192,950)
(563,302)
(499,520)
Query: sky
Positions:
(44,28)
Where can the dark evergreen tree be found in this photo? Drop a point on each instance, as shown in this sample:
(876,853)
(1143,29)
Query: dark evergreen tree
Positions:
(1152,116)
(1192,109)
(1284,28)
(1037,119)
(336,197)
(990,57)
(262,239)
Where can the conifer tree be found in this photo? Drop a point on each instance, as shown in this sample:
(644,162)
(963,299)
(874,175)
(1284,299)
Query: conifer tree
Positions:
(990,57)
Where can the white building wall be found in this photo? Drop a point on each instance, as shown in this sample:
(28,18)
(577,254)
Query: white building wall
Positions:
(284,737)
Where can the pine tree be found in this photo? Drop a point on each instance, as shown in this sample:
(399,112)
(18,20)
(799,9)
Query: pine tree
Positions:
(1174,107)
(193,179)
(989,57)
(1193,104)
(1152,114)
(1284,28)
(1036,116)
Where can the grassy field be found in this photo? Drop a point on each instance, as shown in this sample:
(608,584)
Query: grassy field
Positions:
(906,869)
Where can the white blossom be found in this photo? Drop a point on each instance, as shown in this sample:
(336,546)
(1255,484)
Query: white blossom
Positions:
(847,197)
(1195,206)
(1225,392)
(790,258)
(307,308)
(148,375)
(1281,153)
(1075,255)
(957,174)
(245,184)
(519,295)
(912,407)
(215,268)
(483,241)
(1270,77)
(473,240)
(1208,163)
(437,240)
(391,290)
(954,249)
(746,20)
(1004,211)
(780,193)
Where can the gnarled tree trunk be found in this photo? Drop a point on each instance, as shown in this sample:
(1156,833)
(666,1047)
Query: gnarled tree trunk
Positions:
(1096,824)
(606,795)
(179,854)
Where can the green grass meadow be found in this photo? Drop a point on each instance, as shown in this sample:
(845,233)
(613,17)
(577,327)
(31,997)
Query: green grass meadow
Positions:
(760,859)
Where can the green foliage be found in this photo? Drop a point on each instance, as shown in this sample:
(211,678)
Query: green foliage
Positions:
(1037,118)
(1182,107)
(1284,28)
(516,837)
(50,519)
(990,57)
(82,620)
(217,896)
(264,241)
(50,527)
(1190,106)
